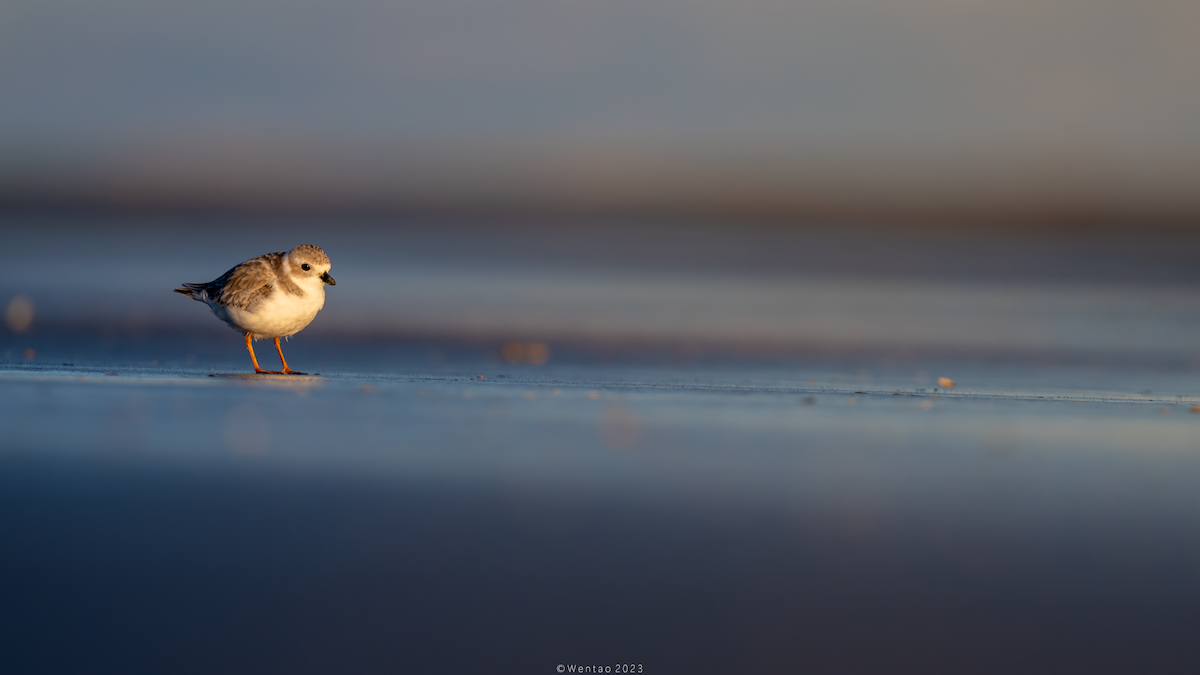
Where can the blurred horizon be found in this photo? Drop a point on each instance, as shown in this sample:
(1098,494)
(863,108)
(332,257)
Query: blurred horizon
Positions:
(665,290)
(1065,114)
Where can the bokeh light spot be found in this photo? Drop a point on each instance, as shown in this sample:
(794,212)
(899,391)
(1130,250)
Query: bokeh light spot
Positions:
(19,314)
(535,353)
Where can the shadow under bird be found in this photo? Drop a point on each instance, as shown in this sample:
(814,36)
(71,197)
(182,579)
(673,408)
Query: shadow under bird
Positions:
(272,296)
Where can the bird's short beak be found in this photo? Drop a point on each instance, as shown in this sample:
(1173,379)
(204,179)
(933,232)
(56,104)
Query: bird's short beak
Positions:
(328,279)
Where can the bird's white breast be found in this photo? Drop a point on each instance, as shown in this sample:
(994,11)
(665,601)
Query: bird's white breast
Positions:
(279,315)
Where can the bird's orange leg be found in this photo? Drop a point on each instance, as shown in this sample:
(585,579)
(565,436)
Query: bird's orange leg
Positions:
(286,370)
(250,348)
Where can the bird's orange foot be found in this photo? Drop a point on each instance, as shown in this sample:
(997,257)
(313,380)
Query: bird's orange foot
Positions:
(260,371)
(289,371)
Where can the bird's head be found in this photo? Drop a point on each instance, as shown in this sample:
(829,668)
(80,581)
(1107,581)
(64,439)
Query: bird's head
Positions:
(309,262)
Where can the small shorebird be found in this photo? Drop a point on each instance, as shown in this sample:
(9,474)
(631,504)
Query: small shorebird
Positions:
(272,296)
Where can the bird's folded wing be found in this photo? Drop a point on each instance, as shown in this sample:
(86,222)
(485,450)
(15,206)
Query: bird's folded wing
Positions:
(247,284)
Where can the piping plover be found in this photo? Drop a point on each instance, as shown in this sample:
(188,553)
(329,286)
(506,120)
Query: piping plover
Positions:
(272,296)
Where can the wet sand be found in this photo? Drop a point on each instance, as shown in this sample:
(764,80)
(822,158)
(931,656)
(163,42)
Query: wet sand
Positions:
(750,518)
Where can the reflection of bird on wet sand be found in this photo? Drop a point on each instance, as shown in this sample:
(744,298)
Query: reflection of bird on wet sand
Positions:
(272,296)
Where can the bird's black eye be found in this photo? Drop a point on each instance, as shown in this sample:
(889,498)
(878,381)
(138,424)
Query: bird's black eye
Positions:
(305,267)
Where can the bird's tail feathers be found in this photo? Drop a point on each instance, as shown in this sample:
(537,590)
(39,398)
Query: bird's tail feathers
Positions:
(193,291)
